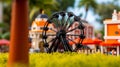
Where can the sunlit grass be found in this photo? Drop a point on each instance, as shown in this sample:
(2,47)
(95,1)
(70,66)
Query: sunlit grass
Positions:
(68,60)
(73,60)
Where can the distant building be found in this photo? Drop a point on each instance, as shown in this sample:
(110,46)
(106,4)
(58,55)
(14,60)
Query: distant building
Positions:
(112,32)
(35,33)
(88,32)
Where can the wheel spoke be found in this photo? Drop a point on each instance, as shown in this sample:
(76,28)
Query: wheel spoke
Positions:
(72,34)
(50,34)
(67,45)
(72,29)
(51,40)
(56,45)
(81,41)
(67,27)
(63,43)
(62,21)
(57,23)
(66,23)
(53,30)
(71,40)
(52,45)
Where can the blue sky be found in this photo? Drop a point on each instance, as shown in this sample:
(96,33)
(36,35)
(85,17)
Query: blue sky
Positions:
(91,18)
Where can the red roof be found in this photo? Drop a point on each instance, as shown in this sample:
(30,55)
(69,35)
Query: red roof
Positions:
(110,43)
(97,41)
(86,41)
(74,41)
(4,42)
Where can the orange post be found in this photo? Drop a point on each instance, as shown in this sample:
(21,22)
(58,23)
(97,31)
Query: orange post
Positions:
(18,53)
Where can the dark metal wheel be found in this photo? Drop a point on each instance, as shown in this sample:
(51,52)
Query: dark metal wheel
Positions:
(61,24)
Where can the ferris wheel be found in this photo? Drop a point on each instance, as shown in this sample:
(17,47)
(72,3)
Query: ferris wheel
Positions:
(62,32)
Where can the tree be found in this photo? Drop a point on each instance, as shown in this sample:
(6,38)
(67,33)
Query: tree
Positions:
(105,11)
(18,53)
(43,4)
(64,4)
(6,13)
(47,5)
(5,34)
(5,24)
(88,4)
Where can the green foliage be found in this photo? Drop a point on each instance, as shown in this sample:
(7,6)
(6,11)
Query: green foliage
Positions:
(7,13)
(88,4)
(49,6)
(43,4)
(64,4)
(4,26)
(68,60)
(105,10)
(5,34)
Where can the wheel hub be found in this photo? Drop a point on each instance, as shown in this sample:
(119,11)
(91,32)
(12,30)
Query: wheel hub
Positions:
(61,33)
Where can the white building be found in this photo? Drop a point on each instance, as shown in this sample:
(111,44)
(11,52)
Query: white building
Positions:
(36,30)
(112,34)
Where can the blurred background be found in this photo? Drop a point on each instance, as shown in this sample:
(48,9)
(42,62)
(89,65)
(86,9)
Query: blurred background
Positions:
(93,11)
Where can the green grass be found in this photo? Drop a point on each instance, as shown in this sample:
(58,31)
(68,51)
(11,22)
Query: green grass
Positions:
(68,60)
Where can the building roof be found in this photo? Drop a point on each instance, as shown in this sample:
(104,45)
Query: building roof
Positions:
(109,21)
(42,16)
(40,20)
(39,23)
(49,31)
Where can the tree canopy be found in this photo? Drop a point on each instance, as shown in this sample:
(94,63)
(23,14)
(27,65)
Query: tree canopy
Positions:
(64,4)
(105,10)
(49,6)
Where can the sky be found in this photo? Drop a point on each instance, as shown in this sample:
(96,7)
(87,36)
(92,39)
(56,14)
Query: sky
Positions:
(91,18)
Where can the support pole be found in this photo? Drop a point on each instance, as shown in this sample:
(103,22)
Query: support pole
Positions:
(117,50)
(18,53)
(101,49)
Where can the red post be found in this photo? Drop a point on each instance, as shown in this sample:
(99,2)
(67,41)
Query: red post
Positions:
(18,53)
